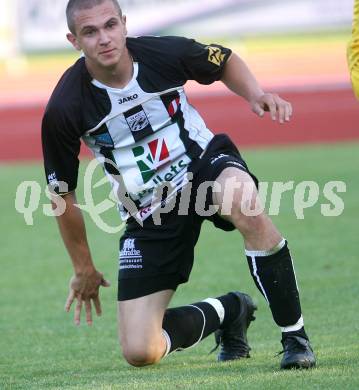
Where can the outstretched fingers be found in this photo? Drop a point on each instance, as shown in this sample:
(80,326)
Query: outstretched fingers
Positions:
(70,299)
(272,106)
(88,312)
(78,310)
(84,289)
(289,112)
(97,304)
(277,107)
(284,109)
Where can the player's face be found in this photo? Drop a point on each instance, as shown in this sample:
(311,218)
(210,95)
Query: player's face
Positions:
(100,34)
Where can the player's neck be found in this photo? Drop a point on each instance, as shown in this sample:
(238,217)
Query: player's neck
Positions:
(117,76)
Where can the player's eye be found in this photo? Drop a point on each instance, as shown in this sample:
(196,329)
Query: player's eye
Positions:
(111,24)
(89,33)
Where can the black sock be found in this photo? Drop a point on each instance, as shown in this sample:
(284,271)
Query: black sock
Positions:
(273,274)
(301,333)
(188,325)
(231,308)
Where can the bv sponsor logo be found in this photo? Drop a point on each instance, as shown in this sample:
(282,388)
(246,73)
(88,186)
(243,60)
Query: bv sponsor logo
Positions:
(150,160)
(215,55)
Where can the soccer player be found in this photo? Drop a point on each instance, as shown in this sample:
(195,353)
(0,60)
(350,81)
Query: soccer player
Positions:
(125,99)
(353,51)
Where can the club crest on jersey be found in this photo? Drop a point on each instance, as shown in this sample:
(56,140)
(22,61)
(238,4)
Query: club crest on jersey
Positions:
(138,121)
(151,157)
(215,55)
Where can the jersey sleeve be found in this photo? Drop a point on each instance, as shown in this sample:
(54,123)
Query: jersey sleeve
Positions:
(61,146)
(353,51)
(204,63)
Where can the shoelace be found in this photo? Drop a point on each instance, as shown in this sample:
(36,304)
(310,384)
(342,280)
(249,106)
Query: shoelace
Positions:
(219,339)
(218,342)
(298,347)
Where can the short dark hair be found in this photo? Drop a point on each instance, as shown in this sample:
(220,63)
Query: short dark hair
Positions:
(74,5)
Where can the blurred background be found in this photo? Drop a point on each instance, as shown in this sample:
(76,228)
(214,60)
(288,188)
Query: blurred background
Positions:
(296,47)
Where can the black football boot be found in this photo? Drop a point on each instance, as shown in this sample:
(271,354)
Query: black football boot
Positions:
(233,337)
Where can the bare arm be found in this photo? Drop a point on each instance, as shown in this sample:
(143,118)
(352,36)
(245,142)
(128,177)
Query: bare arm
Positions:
(84,285)
(239,79)
(353,51)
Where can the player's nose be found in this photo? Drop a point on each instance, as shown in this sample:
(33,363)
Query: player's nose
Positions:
(104,39)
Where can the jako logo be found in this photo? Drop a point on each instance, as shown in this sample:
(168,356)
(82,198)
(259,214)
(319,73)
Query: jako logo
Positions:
(158,155)
(128,99)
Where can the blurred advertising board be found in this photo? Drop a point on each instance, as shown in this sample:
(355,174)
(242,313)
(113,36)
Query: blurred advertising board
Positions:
(8,39)
(42,25)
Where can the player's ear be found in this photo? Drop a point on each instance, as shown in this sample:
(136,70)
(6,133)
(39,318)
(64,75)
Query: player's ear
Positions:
(124,21)
(73,40)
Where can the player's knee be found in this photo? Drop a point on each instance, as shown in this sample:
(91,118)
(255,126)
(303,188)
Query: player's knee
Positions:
(247,209)
(245,203)
(249,224)
(140,354)
(140,358)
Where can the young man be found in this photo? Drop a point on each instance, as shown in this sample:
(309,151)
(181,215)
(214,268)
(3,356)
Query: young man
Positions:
(125,99)
(353,51)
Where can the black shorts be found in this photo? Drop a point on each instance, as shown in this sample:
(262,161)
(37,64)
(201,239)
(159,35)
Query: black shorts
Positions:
(160,257)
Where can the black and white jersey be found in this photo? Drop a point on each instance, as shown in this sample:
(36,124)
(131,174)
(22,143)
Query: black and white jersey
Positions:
(147,131)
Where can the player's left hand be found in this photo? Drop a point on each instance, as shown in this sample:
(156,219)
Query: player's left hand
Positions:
(277,107)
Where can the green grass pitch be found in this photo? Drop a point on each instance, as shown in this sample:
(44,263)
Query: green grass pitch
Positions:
(40,348)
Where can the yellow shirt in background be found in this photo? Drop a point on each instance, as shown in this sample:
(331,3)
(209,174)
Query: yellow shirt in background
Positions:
(353,50)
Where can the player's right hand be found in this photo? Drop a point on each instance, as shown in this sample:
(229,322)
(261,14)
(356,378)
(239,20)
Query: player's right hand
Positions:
(277,107)
(84,288)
